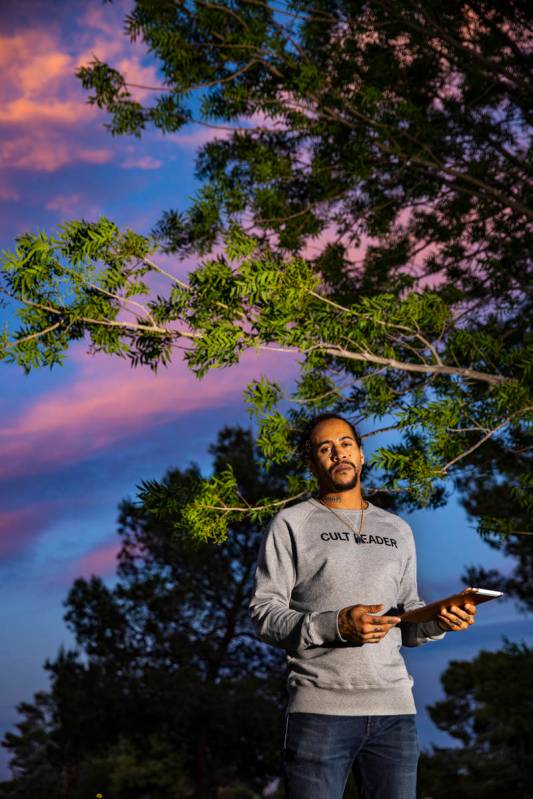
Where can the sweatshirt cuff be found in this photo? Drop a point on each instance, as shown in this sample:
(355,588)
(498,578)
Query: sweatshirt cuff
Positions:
(430,629)
(323,627)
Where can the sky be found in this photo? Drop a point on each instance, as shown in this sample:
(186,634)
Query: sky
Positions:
(76,440)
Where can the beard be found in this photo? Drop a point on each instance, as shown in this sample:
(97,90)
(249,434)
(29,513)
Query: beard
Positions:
(338,486)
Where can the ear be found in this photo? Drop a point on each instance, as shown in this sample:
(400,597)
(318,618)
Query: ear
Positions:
(311,465)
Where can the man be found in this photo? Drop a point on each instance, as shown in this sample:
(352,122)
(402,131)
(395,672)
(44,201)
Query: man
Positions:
(332,577)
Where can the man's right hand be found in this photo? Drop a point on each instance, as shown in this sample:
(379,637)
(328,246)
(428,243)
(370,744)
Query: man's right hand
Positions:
(359,626)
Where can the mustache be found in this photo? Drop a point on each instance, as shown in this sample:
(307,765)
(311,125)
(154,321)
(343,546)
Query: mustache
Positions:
(342,463)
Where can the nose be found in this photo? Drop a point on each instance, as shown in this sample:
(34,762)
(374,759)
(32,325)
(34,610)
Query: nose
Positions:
(335,454)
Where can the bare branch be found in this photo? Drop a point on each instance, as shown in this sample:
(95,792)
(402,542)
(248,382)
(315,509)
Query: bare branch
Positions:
(486,437)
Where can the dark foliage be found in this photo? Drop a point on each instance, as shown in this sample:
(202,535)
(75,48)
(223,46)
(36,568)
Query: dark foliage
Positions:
(488,707)
(169,686)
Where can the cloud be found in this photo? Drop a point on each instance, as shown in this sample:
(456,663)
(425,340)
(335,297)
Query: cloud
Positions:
(199,136)
(21,526)
(64,203)
(97,18)
(141,162)
(9,193)
(48,150)
(101,561)
(38,83)
(109,402)
(45,120)
(74,204)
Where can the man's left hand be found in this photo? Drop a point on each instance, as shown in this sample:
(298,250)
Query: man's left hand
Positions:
(455,618)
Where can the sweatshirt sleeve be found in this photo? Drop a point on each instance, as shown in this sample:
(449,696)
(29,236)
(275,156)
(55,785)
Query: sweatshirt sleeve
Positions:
(274,620)
(414,634)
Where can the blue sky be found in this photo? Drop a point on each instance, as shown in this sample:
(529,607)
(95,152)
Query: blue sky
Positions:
(77,440)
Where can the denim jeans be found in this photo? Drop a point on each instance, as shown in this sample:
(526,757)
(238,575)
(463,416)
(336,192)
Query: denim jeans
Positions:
(320,750)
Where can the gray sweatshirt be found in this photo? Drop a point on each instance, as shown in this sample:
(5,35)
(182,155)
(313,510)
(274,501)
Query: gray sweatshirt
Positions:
(310,566)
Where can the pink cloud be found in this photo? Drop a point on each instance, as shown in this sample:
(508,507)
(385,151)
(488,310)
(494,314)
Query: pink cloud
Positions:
(64,203)
(9,193)
(101,561)
(38,82)
(68,206)
(199,136)
(109,402)
(100,19)
(141,76)
(24,528)
(45,120)
(21,526)
(48,150)
(141,162)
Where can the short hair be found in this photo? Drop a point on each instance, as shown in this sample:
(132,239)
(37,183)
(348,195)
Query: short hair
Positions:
(305,437)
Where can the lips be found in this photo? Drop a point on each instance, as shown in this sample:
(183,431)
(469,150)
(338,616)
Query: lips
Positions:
(343,467)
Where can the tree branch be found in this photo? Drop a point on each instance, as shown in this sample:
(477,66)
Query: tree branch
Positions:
(108,323)
(486,437)
(162,271)
(265,506)
(30,337)
(467,374)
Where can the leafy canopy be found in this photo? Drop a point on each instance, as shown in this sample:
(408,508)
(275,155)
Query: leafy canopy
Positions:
(367,209)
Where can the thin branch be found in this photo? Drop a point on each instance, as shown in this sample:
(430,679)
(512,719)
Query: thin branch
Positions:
(146,88)
(123,300)
(30,337)
(266,506)
(383,490)
(311,15)
(519,450)
(336,390)
(143,328)
(410,331)
(467,430)
(301,212)
(196,86)
(243,499)
(226,10)
(162,271)
(399,342)
(108,323)
(486,437)
(380,430)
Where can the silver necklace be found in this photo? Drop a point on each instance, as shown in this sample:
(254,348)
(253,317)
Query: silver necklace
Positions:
(345,521)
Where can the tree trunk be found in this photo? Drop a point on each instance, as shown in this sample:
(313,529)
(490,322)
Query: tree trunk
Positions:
(205,785)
